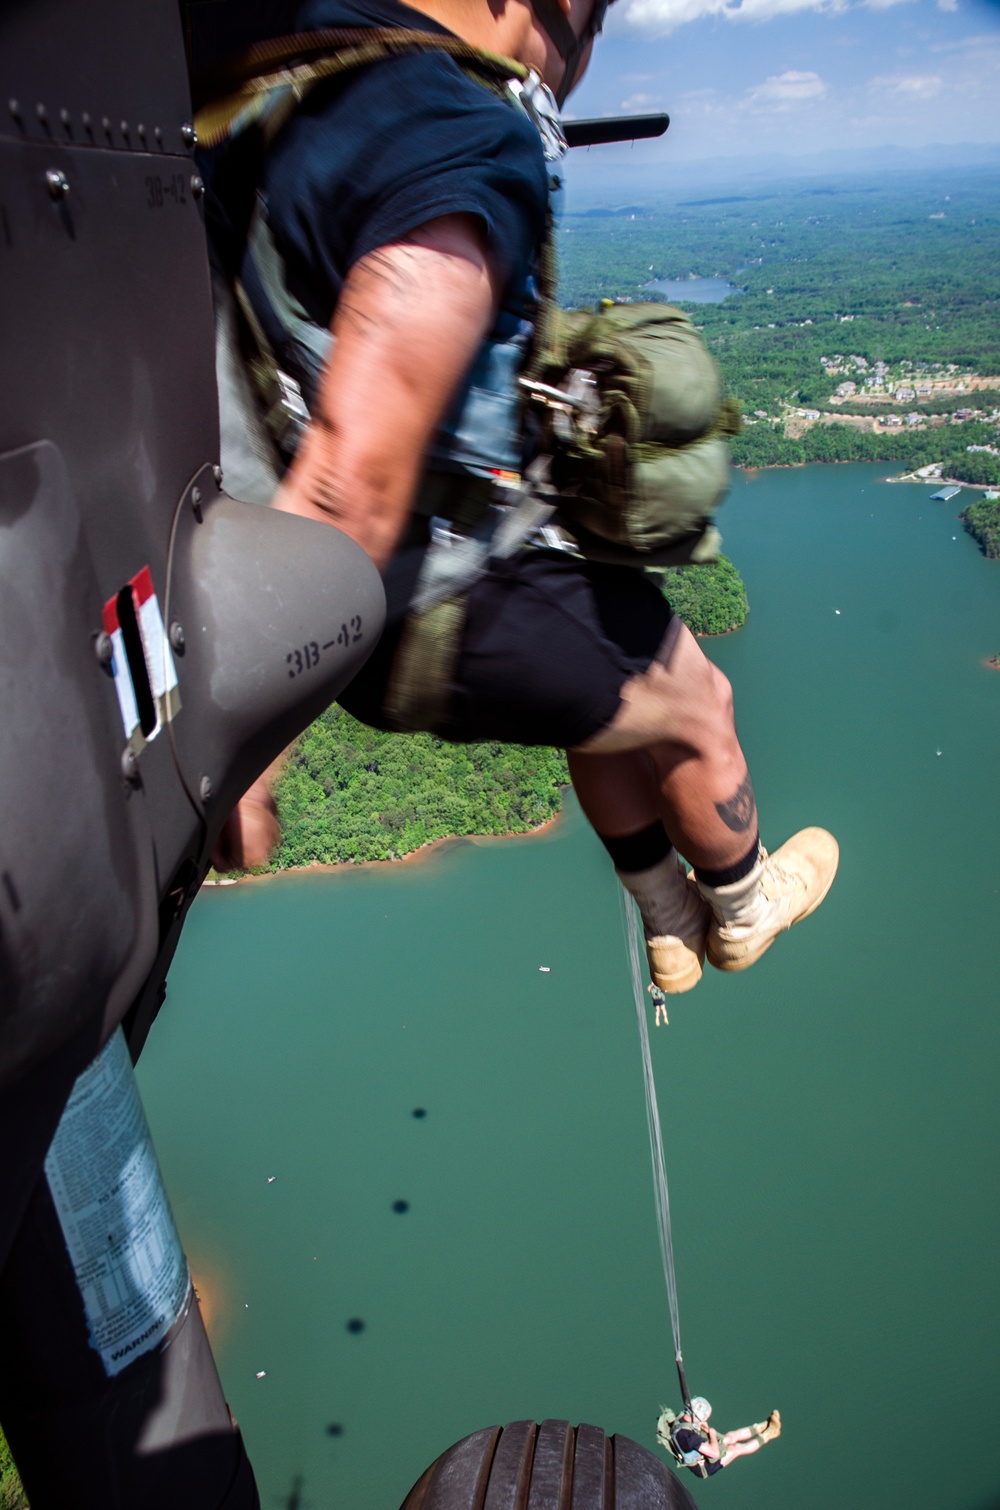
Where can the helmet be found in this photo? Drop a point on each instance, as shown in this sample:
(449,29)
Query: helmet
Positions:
(700,1408)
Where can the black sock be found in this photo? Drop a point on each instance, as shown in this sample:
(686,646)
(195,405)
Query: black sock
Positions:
(639,851)
(735,872)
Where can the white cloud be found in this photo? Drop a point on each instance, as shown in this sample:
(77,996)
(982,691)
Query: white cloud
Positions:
(666,15)
(663,16)
(947,4)
(917,86)
(640,101)
(783,88)
(989,42)
(776,96)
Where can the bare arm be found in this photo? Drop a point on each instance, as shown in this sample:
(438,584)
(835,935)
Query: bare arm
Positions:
(712,1448)
(409,322)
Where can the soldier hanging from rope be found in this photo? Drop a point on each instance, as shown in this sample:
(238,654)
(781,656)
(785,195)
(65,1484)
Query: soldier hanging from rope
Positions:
(696,1445)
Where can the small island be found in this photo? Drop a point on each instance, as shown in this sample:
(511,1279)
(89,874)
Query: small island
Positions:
(710,599)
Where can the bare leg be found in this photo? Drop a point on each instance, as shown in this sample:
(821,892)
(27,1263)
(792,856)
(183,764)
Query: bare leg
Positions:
(672,750)
(620,794)
(739,1444)
(709,810)
(748,1439)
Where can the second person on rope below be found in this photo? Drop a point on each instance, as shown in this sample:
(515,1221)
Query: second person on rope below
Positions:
(696,1445)
(406,208)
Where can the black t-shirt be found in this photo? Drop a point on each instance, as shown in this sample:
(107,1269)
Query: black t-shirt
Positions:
(370,156)
(690,1440)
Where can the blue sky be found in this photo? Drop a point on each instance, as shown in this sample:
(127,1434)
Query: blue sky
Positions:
(800,76)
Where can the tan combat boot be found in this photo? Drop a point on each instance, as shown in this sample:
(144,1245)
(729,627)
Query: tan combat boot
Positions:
(769,1430)
(675,923)
(781,889)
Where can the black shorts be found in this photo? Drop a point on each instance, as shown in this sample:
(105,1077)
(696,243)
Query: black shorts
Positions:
(549,642)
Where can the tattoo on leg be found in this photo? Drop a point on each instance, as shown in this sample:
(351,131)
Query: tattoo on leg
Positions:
(740,810)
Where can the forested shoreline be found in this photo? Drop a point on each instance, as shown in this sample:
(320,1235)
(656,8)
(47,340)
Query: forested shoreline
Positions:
(982,520)
(349,793)
(768,446)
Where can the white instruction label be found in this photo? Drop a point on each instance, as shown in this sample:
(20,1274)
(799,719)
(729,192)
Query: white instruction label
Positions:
(108,1192)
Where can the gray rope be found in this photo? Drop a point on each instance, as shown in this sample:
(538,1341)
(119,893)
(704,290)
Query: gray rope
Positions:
(637,961)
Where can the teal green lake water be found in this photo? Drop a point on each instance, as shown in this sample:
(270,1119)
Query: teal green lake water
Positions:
(830,1116)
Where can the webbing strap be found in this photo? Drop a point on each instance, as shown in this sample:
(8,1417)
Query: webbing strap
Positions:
(275,76)
(569,46)
(546,340)
(420,682)
(557,24)
(270,269)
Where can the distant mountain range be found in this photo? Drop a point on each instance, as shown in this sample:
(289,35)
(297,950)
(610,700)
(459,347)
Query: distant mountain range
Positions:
(612,175)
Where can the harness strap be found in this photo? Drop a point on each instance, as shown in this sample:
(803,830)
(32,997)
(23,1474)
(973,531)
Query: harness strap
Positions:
(274,77)
(270,269)
(250,462)
(569,46)
(685,1458)
(547,344)
(420,681)
(416,697)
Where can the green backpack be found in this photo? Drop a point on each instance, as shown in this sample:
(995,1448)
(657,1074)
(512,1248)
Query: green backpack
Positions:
(635,423)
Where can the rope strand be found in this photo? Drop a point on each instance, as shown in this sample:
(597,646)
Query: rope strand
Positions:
(636,955)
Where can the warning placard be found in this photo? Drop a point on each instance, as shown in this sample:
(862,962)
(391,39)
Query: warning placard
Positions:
(108,1192)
